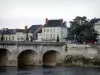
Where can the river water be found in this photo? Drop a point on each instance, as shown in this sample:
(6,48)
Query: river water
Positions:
(49,71)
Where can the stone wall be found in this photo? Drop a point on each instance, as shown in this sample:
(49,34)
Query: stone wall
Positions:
(82,50)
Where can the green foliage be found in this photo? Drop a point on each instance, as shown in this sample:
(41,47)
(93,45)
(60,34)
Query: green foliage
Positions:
(66,48)
(85,61)
(82,29)
(57,38)
(2,37)
(75,59)
(68,59)
(96,62)
(31,38)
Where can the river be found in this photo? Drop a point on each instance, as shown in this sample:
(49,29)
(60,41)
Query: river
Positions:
(49,71)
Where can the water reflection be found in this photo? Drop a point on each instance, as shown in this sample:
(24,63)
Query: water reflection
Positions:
(2,69)
(41,70)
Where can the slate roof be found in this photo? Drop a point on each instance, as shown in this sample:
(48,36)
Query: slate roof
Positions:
(7,32)
(20,30)
(35,29)
(55,23)
(10,31)
(95,20)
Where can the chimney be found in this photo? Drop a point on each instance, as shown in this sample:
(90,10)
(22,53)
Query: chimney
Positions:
(61,21)
(26,27)
(46,20)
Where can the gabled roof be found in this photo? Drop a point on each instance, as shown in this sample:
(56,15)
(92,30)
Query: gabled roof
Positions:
(95,20)
(55,23)
(9,31)
(35,29)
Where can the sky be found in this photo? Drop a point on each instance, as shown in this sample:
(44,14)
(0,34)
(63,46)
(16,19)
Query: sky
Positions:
(20,13)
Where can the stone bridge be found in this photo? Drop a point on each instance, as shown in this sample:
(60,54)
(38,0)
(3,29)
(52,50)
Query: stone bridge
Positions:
(21,53)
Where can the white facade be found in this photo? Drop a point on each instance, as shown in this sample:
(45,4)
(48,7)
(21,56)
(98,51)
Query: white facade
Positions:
(97,28)
(18,36)
(51,33)
(39,37)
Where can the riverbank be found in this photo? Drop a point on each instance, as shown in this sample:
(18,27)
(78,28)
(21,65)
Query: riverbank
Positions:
(70,65)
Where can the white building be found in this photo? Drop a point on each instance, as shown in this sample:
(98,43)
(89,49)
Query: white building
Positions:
(12,34)
(35,31)
(97,28)
(53,29)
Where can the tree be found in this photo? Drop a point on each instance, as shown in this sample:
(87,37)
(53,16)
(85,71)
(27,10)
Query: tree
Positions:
(2,37)
(27,37)
(31,38)
(82,29)
(57,38)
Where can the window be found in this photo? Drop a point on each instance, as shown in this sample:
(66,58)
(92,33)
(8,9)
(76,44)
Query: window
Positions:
(6,38)
(12,37)
(54,30)
(50,35)
(9,37)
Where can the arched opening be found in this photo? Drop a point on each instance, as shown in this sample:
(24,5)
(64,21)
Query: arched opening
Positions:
(4,57)
(50,58)
(27,58)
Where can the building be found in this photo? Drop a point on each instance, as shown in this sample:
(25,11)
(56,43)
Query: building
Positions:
(11,34)
(35,31)
(53,30)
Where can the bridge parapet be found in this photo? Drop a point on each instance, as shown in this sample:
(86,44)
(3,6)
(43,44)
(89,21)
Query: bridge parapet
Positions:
(30,43)
(77,45)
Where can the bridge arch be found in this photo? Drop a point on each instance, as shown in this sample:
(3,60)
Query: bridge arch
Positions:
(50,58)
(27,58)
(5,56)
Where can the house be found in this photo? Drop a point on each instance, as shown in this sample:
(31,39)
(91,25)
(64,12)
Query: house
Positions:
(11,34)
(53,30)
(35,31)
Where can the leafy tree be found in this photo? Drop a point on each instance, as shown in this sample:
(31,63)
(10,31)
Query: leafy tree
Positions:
(2,37)
(82,29)
(31,38)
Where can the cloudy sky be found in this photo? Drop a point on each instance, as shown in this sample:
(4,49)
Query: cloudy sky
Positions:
(18,13)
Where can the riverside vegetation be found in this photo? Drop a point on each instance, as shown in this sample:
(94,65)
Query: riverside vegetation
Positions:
(80,61)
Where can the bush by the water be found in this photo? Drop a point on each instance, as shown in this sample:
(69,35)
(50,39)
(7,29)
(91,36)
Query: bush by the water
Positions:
(81,59)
